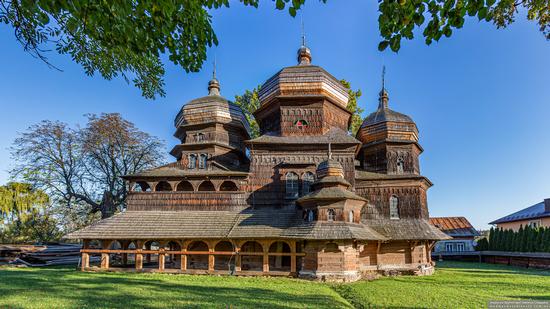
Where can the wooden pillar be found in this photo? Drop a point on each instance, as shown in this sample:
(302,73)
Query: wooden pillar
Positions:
(162,259)
(85,263)
(266,257)
(237,257)
(378,253)
(183,262)
(104,260)
(139,259)
(293,257)
(210,256)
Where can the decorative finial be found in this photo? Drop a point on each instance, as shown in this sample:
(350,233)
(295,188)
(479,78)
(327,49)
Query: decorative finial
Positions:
(304,54)
(214,84)
(383,97)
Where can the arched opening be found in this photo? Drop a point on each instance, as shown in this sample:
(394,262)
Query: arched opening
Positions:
(279,262)
(291,185)
(307,180)
(202,160)
(301,124)
(163,186)
(207,186)
(224,262)
(115,259)
(394,207)
(141,186)
(192,161)
(331,248)
(131,257)
(331,214)
(95,258)
(228,186)
(251,262)
(197,261)
(185,186)
(350,216)
(172,261)
(151,260)
(400,166)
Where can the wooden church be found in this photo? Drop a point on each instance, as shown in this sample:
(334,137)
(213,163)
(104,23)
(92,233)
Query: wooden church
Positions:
(303,199)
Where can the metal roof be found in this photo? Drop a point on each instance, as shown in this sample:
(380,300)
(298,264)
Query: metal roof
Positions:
(533,212)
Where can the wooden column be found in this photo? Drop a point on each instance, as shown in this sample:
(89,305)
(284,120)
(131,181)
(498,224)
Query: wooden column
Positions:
(183,262)
(210,256)
(139,259)
(266,257)
(162,258)
(106,244)
(85,263)
(237,257)
(293,257)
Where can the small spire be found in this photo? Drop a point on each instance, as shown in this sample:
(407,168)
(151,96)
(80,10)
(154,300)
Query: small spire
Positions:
(383,97)
(214,84)
(304,54)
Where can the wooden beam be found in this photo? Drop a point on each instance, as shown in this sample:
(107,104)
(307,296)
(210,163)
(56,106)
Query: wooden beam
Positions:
(183,263)
(105,261)
(210,256)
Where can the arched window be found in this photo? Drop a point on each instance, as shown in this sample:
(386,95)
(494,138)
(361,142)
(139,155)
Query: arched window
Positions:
(163,186)
(307,180)
(200,137)
(301,124)
(206,186)
(310,215)
(331,214)
(350,216)
(202,160)
(394,207)
(228,186)
(192,161)
(291,185)
(400,166)
(185,186)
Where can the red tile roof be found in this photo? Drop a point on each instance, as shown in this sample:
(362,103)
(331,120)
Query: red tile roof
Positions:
(454,226)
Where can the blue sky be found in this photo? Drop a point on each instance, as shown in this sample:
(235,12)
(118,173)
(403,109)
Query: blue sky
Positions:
(480,99)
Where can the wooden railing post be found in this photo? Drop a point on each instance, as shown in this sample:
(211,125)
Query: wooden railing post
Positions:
(265,257)
(85,263)
(139,259)
(238,257)
(183,261)
(210,256)
(106,244)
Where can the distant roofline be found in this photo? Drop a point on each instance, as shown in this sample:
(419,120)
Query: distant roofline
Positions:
(524,214)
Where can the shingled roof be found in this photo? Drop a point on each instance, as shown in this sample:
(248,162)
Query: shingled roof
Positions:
(454,226)
(175,170)
(406,229)
(334,136)
(250,223)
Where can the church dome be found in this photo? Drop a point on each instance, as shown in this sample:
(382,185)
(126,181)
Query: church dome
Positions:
(303,79)
(211,108)
(328,168)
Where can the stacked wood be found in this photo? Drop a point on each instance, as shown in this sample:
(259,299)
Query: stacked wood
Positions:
(56,254)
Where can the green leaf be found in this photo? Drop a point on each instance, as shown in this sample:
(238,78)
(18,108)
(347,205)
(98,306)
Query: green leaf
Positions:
(383,45)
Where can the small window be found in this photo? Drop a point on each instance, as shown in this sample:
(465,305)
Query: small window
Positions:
(331,214)
(301,124)
(310,216)
(460,247)
(192,161)
(200,137)
(307,180)
(400,166)
(350,216)
(202,161)
(394,207)
(448,247)
(291,185)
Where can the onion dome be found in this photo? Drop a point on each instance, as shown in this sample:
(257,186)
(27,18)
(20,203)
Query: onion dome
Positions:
(387,124)
(211,108)
(303,79)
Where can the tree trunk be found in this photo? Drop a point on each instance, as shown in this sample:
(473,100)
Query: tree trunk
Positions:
(107,205)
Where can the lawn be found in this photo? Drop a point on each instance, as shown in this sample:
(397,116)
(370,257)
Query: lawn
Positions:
(455,285)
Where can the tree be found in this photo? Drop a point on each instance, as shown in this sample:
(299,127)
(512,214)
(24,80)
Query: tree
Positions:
(83,165)
(18,198)
(127,38)
(249,102)
(356,119)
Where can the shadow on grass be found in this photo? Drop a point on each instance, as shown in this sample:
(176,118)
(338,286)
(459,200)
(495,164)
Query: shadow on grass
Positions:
(151,291)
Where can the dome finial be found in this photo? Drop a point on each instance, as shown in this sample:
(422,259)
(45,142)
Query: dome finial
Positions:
(383,97)
(214,84)
(304,54)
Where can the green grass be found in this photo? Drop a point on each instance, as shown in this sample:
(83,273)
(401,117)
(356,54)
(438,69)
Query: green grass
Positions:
(455,285)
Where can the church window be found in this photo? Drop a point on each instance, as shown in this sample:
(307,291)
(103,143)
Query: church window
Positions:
(202,160)
(394,207)
(192,161)
(301,124)
(291,185)
(331,214)
(307,180)
(400,166)
(350,216)
(200,137)
(310,216)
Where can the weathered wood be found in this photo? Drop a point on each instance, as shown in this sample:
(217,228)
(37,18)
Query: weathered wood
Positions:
(85,263)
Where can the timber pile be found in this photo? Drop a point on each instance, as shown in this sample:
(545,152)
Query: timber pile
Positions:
(55,254)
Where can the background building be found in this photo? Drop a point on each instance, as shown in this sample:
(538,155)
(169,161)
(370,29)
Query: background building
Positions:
(534,216)
(460,229)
